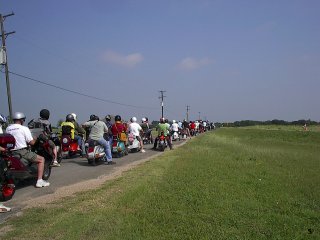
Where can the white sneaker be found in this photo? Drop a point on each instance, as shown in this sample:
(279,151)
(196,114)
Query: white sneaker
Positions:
(55,164)
(42,183)
(143,151)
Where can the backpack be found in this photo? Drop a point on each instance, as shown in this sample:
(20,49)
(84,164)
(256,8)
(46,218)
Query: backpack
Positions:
(37,127)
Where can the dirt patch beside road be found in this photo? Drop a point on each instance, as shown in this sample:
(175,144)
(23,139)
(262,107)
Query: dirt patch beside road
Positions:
(86,185)
(83,186)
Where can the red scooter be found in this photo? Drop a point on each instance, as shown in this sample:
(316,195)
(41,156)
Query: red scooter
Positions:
(7,186)
(20,169)
(69,147)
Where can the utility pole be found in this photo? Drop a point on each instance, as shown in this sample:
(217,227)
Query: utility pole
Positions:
(3,48)
(188,108)
(161,97)
(199,115)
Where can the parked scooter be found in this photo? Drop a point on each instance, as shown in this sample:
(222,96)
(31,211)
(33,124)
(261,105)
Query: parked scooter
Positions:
(133,143)
(95,152)
(21,169)
(119,148)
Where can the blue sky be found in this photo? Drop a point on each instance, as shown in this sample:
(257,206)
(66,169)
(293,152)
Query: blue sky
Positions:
(229,60)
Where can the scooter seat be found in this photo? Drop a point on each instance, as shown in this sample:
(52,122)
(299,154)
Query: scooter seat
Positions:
(93,143)
(23,160)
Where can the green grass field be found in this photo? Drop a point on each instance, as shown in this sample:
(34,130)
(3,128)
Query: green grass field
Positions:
(233,183)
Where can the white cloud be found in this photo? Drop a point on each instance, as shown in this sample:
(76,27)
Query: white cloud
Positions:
(192,63)
(130,60)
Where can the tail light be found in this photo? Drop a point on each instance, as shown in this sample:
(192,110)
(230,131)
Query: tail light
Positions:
(11,183)
(65,140)
(90,149)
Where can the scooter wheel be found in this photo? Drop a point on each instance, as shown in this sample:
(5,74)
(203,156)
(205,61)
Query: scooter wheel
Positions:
(46,171)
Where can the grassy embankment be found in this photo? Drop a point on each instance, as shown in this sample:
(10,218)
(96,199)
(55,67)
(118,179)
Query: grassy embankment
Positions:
(244,183)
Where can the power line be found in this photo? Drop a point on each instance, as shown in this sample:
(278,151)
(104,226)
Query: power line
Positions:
(78,93)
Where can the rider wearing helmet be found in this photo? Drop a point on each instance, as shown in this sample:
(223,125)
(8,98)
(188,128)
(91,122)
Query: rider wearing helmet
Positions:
(146,129)
(79,132)
(174,126)
(135,129)
(145,125)
(67,127)
(162,128)
(3,120)
(97,130)
(185,126)
(46,131)
(24,138)
(118,127)
(108,136)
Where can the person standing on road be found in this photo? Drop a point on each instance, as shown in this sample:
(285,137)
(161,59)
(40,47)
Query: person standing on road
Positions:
(97,130)
(24,138)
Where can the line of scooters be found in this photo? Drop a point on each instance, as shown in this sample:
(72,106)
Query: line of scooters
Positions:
(14,168)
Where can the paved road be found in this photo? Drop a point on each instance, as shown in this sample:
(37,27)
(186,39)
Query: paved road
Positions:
(72,171)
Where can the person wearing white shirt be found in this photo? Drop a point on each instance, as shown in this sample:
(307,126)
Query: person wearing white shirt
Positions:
(174,126)
(135,129)
(24,138)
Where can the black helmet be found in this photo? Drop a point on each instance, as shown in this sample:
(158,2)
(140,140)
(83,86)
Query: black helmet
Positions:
(93,117)
(108,117)
(117,118)
(69,118)
(45,114)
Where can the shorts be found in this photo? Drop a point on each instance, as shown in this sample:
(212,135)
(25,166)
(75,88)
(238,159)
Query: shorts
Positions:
(51,144)
(27,154)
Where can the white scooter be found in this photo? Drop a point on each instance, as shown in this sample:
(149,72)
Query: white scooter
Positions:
(134,144)
(95,152)
(175,136)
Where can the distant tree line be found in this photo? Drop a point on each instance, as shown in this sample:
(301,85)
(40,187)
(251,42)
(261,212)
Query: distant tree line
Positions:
(245,123)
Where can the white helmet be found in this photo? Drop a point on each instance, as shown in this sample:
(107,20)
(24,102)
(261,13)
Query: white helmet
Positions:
(3,119)
(18,116)
(173,121)
(143,119)
(74,116)
(133,119)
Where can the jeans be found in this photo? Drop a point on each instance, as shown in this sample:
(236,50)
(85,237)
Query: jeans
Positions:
(107,148)
(80,143)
